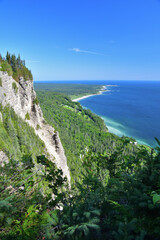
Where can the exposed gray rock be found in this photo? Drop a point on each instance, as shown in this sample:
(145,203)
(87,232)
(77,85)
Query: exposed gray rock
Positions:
(22,101)
(1,118)
(3,158)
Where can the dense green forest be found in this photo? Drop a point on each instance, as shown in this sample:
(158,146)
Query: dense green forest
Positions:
(115,191)
(15,67)
(17,138)
(79,129)
(71,90)
(117,199)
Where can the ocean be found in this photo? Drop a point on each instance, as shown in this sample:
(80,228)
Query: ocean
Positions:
(129,108)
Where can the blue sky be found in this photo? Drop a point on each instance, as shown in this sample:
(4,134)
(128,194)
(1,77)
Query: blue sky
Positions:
(84,39)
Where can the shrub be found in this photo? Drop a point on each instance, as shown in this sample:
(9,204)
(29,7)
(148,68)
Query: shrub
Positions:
(5,67)
(38,127)
(0,82)
(35,101)
(14,86)
(27,117)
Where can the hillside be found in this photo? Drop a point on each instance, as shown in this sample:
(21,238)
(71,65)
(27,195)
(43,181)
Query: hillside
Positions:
(115,190)
(21,96)
(79,129)
(17,138)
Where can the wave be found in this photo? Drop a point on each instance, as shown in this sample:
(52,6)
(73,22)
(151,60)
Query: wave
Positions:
(114,127)
(120,130)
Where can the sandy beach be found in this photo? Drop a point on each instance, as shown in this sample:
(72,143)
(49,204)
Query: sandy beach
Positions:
(83,97)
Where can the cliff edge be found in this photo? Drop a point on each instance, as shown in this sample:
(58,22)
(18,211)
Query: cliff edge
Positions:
(22,98)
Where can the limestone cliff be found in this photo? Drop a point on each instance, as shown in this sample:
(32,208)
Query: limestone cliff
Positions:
(22,98)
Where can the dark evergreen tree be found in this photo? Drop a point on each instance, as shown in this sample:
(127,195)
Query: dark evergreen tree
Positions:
(19,62)
(15,67)
(8,57)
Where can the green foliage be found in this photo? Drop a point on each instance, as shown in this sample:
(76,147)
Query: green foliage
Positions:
(26,202)
(72,90)
(156,198)
(15,67)
(27,117)
(5,67)
(0,82)
(14,86)
(78,128)
(116,197)
(116,187)
(38,127)
(17,137)
(35,101)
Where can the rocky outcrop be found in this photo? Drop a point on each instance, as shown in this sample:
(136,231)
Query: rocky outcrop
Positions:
(22,98)
(1,118)
(3,158)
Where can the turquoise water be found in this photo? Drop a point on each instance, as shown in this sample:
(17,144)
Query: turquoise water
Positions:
(130,108)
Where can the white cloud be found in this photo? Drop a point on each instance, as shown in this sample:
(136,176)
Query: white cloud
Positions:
(85,51)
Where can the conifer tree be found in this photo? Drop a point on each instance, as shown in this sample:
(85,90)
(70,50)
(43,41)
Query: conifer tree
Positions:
(8,57)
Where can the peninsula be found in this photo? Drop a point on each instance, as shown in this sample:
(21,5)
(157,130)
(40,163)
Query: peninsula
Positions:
(103,89)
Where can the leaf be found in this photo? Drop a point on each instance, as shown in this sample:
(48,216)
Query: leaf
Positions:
(85,229)
(156,198)
(94,220)
(96,212)
(87,214)
(94,226)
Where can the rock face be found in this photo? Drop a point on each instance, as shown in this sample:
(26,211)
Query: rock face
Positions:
(3,158)
(22,98)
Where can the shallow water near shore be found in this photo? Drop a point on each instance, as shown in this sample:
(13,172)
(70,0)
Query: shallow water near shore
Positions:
(130,108)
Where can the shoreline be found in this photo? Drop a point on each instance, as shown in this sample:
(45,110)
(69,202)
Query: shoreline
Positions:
(111,128)
(103,89)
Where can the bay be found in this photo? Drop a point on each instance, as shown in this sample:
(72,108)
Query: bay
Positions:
(129,108)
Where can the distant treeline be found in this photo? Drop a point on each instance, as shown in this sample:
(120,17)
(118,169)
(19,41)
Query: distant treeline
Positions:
(15,67)
(72,90)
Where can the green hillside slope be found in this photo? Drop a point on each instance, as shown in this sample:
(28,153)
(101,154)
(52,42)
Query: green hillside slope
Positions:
(79,129)
(17,138)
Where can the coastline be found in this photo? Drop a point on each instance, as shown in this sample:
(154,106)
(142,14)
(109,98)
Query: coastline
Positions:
(103,89)
(111,124)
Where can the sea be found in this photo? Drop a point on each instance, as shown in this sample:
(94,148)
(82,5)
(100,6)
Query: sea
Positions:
(128,108)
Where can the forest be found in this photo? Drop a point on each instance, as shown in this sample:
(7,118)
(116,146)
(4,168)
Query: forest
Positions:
(79,129)
(117,197)
(71,90)
(115,184)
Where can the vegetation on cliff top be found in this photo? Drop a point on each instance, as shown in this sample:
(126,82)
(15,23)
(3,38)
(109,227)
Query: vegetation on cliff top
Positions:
(15,67)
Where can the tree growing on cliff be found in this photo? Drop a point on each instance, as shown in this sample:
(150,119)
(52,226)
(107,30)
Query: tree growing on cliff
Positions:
(15,67)
(8,57)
